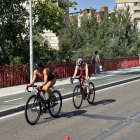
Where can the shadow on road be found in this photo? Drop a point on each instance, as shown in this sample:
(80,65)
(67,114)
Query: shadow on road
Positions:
(65,115)
(104,102)
(82,113)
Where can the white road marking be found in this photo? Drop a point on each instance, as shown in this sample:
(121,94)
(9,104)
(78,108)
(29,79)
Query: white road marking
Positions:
(13,100)
(1,118)
(71,98)
(110,78)
(61,89)
(117,85)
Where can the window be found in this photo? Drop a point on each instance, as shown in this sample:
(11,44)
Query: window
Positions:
(54,45)
(47,31)
(137,27)
(132,19)
(137,11)
(136,3)
(137,19)
(24,4)
(120,4)
(131,12)
(129,4)
(54,38)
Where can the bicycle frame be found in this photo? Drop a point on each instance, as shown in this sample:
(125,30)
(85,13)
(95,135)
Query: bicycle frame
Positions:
(38,92)
(81,88)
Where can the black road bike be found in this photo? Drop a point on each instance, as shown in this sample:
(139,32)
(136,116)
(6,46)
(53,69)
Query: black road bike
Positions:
(80,93)
(33,106)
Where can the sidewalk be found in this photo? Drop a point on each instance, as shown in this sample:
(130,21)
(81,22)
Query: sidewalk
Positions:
(21,88)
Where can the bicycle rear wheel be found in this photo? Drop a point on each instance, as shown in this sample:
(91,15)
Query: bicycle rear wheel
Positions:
(77,97)
(33,109)
(55,104)
(92,93)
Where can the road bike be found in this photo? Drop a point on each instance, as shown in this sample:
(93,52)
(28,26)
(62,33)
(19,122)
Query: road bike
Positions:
(80,93)
(34,104)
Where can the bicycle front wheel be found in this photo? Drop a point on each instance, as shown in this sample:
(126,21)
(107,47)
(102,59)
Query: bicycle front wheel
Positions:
(77,97)
(55,104)
(92,93)
(33,110)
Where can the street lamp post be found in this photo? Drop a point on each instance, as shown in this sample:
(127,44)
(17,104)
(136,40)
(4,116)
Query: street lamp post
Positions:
(31,41)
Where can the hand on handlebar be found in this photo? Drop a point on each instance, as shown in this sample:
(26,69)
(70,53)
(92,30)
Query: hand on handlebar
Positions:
(71,80)
(39,87)
(27,85)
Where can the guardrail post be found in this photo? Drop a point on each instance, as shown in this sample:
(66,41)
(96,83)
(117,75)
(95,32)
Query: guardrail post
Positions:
(139,58)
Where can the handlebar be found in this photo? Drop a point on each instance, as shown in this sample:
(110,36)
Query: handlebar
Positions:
(33,86)
(79,78)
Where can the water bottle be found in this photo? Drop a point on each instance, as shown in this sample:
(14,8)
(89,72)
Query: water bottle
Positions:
(43,96)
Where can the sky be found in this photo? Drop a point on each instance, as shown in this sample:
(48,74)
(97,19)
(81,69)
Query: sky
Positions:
(95,4)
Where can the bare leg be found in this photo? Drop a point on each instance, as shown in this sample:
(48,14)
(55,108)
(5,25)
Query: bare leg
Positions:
(87,85)
(49,85)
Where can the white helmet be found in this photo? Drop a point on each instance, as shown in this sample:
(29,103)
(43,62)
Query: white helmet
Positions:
(79,61)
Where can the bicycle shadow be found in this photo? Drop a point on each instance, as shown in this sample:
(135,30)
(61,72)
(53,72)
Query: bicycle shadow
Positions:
(77,112)
(65,115)
(103,102)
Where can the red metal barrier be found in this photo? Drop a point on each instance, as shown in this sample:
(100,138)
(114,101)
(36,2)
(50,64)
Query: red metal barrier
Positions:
(20,74)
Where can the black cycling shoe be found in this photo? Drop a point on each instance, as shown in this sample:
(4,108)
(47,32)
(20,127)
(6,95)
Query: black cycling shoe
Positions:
(53,99)
(43,111)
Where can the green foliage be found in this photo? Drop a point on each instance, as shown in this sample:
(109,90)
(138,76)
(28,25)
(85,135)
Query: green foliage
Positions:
(114,36)
(14,36)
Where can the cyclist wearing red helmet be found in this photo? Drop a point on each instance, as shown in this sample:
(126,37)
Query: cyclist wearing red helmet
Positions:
(85,73)
(46,75)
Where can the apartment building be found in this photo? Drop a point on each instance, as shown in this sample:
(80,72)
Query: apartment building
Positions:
(79,14)
(134,10)
(54,41)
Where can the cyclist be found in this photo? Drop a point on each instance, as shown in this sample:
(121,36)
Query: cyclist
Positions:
(85,73)
(46,75)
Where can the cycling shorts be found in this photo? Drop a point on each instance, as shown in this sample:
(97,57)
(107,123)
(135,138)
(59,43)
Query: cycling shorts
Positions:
(51,76)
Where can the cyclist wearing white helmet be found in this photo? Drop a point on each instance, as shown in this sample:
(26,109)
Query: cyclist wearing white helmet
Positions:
(85,73)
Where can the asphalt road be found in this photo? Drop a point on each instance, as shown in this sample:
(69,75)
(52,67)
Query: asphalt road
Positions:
(8,102)
(115,115)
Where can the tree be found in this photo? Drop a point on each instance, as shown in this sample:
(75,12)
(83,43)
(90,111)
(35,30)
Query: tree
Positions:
(11,14)
(14,36)
(71,39)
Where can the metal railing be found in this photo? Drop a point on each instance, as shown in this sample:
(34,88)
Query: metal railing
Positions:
(12,75)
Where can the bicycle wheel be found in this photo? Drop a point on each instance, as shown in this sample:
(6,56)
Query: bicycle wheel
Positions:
(33,110)
(92,93)
(77,97)
(55,105)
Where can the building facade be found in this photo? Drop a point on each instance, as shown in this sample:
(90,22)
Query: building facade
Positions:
(79,14)
(54,41)
(134,10)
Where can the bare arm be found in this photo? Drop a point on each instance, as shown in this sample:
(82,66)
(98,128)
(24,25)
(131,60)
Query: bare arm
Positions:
(45,72)
(86,67)
(99,59)
(34,78)
(76,70)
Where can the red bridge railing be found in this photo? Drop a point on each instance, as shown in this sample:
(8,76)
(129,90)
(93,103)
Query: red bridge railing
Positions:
(19,74)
